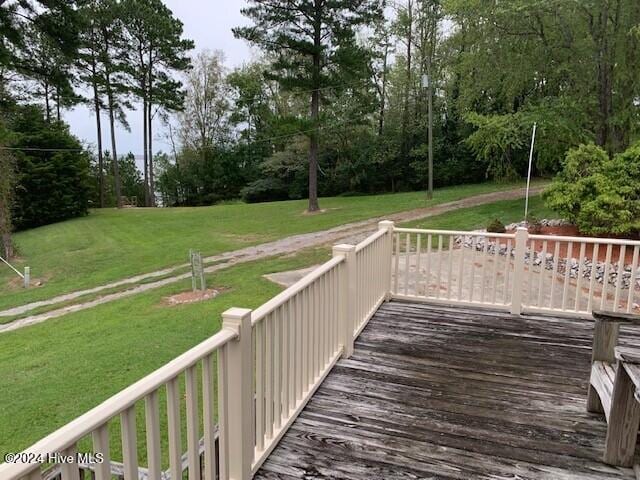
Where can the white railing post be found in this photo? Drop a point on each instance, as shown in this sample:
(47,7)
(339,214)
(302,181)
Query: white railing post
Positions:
(347,297)
(388,255)
(236,418)
(522,236)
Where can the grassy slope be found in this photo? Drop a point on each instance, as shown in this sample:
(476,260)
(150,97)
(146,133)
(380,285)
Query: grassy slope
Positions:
(54,371)
(508,211)
(109,244)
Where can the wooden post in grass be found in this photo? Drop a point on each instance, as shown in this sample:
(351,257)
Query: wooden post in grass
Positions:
(197,271)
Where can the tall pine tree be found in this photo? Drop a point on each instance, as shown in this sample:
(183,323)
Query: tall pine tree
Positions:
(313,44)
(157,50)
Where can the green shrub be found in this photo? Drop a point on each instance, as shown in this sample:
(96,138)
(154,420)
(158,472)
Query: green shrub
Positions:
(598,194)
(496,226)
(264,190)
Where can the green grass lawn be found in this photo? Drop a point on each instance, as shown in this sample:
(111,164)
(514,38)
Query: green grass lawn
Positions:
(507,211)
(109,244)
(55,371)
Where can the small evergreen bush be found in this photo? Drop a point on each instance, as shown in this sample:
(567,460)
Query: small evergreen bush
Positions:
(496,226)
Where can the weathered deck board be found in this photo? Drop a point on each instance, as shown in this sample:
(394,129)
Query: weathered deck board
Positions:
(434,392)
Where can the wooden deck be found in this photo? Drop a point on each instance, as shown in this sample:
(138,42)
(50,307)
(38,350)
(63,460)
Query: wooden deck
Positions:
(453,393)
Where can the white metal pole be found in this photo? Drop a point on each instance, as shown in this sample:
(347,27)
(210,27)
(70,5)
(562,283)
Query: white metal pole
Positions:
(526,201)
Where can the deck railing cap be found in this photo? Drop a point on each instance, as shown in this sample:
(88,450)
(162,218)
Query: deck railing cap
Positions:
(344,248)
(235,313)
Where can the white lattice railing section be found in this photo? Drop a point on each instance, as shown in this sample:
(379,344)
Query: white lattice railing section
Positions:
(269,362)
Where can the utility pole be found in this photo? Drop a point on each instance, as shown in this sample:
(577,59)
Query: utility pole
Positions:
(428,84)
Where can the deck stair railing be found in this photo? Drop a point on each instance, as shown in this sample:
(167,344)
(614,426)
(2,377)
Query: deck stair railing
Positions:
(224,404)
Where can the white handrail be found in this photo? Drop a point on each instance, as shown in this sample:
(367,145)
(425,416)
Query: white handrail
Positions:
(370,239)
(590,240)
(72,432)
(454,232)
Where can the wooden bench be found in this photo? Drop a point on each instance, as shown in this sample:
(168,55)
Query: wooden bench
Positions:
(613,387)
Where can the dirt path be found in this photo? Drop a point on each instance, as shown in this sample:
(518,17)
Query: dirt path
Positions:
(349,233)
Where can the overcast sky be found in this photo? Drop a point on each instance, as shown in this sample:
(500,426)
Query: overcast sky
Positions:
(208,23)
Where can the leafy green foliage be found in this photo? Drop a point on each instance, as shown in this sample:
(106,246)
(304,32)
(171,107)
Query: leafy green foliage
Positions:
(496,226)
(132,183)
(50,185)
(600,195)
(264,190)
(314,47)
(497,141)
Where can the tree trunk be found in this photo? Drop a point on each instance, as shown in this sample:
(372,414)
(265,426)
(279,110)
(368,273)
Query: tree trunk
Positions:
(383,95)
(152,183)
(605,39)
(405,113)
(46,102)
(96,106)
(147,201)
(152,186)
(7,246)
(6,190)
(313,153)
(315,111)
(112,124)
(58,113)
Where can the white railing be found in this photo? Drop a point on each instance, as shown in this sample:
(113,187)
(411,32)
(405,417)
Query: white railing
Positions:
(269,362)
(164,383)
(296,342)
(453,266)
(518,272)
(373,275)
(578,275)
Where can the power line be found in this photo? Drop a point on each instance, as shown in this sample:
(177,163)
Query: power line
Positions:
(331,87)
(301,132)
(36,149)
(262,140)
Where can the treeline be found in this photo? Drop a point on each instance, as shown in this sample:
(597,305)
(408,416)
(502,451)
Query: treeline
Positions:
(335,105)
(349,105)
